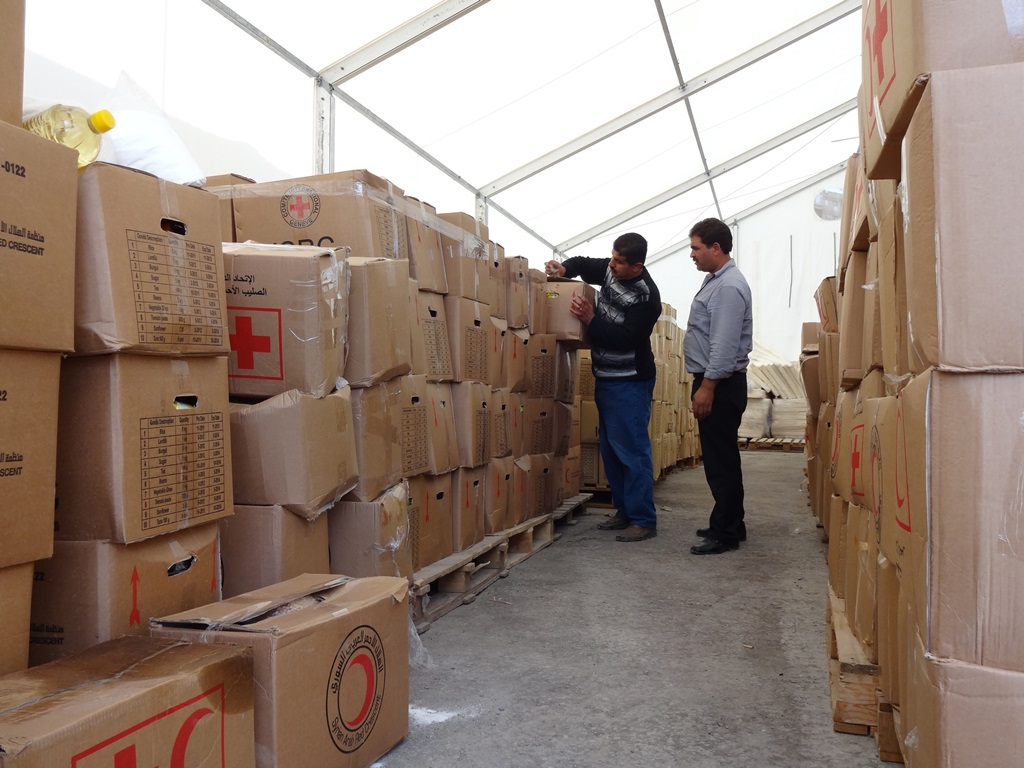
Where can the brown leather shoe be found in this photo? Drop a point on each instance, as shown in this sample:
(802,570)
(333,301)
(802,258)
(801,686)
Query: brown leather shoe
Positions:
(637,533)
(613,523)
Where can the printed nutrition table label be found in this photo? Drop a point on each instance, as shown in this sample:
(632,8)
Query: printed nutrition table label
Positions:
(183,468)
(177,290)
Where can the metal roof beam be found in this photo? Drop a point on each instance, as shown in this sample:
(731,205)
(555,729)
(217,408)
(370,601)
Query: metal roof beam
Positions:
(718,170)
(684,245)
(397,39)
(659,103)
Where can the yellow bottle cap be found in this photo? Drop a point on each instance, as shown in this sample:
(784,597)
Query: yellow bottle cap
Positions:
(102,121)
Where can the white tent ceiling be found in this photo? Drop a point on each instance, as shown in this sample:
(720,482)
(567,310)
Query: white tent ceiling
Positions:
(563,122)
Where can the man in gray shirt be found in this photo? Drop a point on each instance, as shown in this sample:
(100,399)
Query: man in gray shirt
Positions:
(716,348)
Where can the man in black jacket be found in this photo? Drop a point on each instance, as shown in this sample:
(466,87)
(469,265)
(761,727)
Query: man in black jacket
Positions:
(623,364)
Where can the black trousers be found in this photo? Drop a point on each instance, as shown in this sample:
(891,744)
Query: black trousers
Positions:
(719,444)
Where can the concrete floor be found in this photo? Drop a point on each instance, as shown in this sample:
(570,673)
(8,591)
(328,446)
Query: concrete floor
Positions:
(595,653)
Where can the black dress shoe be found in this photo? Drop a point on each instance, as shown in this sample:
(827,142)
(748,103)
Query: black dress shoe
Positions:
(713,547)
(706,532)
(614,523)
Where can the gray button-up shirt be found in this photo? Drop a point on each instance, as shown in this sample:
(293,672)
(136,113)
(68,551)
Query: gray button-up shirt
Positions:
(720,329)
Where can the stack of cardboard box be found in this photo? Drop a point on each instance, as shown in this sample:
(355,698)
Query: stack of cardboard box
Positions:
(923,379)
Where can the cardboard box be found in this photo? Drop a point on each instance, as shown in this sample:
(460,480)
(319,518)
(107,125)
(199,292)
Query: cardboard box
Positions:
(517,416)
(377,421)
(221,186)
(540,425)
(431,348)
(520,489)
(371,538)
(902,41)
(590,422)
(853,228)
(501,423)
(517,344)
(89,592)
(572,475)
(468,500)
(825,297)
(287,318)
(498,494)
(871,346)
(28,423)
(330,674)
(567,372)
(562,428)
(497,275)
(443,448)
(892,293)
(143,446)
(957,172)
(540,484)
(540,365)
(498,332)
(132,701)
(587,381)
(426,262)
(465,246)
(959,453)
(260,546)
(561,322)
(37,226)
(517,291)
(12,62)
(861,580)
(430,518)
(354,208)
(294,450)
(472,422)
(378,329)
(469,334)
(150,266)
(413,409)
(851,334)
(15,607)
(538,301)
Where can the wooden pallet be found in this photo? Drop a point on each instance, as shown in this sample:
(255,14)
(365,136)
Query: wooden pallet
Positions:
(457,579)
(853,677)
(529,538)
(887,733)
(570,509)
(774,444)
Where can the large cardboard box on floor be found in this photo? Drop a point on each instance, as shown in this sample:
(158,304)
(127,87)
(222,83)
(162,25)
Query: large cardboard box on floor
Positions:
(15,607)
(431,353)
(353,208)
(468,500)
(12,61)
(961,438)
(294,450)
(37,231)
(28,425)
(426,262)
(904,40)
(287,318)
(330,665)
(150,266)
(498,494)
(377,422)
(143,446)
(133,701)
(260,546)
(378,329)
(371,538)
(89,592)
(430,518)
(957,173)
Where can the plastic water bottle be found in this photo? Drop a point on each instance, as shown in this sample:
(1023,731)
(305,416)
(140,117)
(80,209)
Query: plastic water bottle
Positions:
(73,127)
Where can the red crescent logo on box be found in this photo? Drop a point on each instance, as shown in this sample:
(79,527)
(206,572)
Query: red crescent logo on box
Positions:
(300,205)
(355,691)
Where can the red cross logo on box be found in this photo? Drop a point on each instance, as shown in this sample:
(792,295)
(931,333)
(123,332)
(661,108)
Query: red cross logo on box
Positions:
(879,51)
(256,349)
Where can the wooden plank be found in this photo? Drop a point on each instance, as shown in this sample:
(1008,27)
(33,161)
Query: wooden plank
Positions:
(527,539)
(888,743)
(853,678)
(456,580)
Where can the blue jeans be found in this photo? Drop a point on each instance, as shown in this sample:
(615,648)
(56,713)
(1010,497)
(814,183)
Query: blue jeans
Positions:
(624,410)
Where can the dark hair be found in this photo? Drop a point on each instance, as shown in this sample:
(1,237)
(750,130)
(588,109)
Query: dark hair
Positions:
(632,247)
(711,231)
